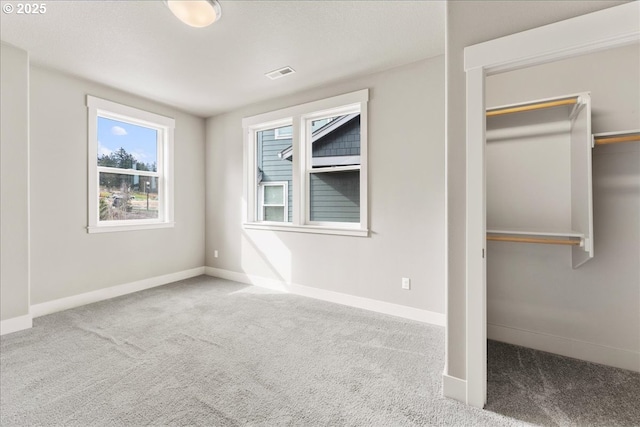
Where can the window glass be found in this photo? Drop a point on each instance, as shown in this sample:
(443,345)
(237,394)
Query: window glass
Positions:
(273,195)
(274,166)
(127,146)
(126,197)
(335,197)
(284,132)
(334,172)
(335,141)
(273,213)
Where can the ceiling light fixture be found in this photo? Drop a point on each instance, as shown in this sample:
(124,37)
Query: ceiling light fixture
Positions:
(196,13)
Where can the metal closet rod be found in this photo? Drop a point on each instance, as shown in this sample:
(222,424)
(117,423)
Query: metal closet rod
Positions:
(614,139)
(570,242)
(531,107)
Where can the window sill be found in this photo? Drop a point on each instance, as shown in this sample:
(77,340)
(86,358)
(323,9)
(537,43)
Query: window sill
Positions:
(132,227)
(314,229)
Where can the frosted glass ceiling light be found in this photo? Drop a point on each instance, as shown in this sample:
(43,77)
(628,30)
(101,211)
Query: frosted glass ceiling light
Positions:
(196,13)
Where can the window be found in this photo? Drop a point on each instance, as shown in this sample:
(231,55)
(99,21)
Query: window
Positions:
(273,202)
(130,168)
(305,167)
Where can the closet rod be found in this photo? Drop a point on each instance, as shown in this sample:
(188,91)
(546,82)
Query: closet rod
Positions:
(531,107)
(614,139)
(570,242)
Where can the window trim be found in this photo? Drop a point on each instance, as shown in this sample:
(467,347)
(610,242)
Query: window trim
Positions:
(284,206)
(98,107)
(296,116)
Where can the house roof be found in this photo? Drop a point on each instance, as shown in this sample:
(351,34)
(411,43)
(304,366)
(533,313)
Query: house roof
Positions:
(320,133)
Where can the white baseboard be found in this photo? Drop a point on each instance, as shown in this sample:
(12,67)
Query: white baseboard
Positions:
(454,388)
(16,324)
(583,350)
(419,315)
(61,304)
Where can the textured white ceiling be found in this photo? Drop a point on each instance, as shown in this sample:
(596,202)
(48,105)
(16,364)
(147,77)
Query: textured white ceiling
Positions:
(140,47)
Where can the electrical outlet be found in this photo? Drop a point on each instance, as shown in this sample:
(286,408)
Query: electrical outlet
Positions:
(215,254)
(406,283)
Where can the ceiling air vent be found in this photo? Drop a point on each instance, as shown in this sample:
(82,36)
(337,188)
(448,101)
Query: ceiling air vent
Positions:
(276,74)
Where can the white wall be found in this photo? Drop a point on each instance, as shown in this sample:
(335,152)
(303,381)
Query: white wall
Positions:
(468,23)
(533,288)
(67,261)
(14,193)
(406,193)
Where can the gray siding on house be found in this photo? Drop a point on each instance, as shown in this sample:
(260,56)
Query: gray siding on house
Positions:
(335,196)
(273,167)
(344,141)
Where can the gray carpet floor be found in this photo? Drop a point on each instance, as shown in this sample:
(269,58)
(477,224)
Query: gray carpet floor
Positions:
(551,390)
(211,352)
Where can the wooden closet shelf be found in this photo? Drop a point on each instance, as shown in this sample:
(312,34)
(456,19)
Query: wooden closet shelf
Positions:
(528,232)
(519,239)
(531,107)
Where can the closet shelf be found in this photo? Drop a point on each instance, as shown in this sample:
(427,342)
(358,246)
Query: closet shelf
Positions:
(531,232)
(571,238)
(616,137)
(516,239)
(532,106)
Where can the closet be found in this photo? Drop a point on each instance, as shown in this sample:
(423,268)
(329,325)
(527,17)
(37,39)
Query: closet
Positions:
(539,174)
(563,207)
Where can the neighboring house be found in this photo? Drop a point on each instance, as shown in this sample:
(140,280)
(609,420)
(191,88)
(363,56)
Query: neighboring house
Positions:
(334,178)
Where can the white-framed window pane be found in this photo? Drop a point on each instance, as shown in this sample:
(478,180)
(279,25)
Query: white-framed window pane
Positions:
(335,141)
(125,145)
(273,195)
(334,196)
(127,197)
(274,163)
(274,213)
(284,132)
(273,202)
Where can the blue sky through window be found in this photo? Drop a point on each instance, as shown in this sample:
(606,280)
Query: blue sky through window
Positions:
(139,141)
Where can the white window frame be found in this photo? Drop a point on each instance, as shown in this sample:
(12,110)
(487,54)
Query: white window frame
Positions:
(284,206)
(165,127)
(297,116)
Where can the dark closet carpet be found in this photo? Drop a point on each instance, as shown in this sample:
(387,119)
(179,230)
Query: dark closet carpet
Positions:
(551,390)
